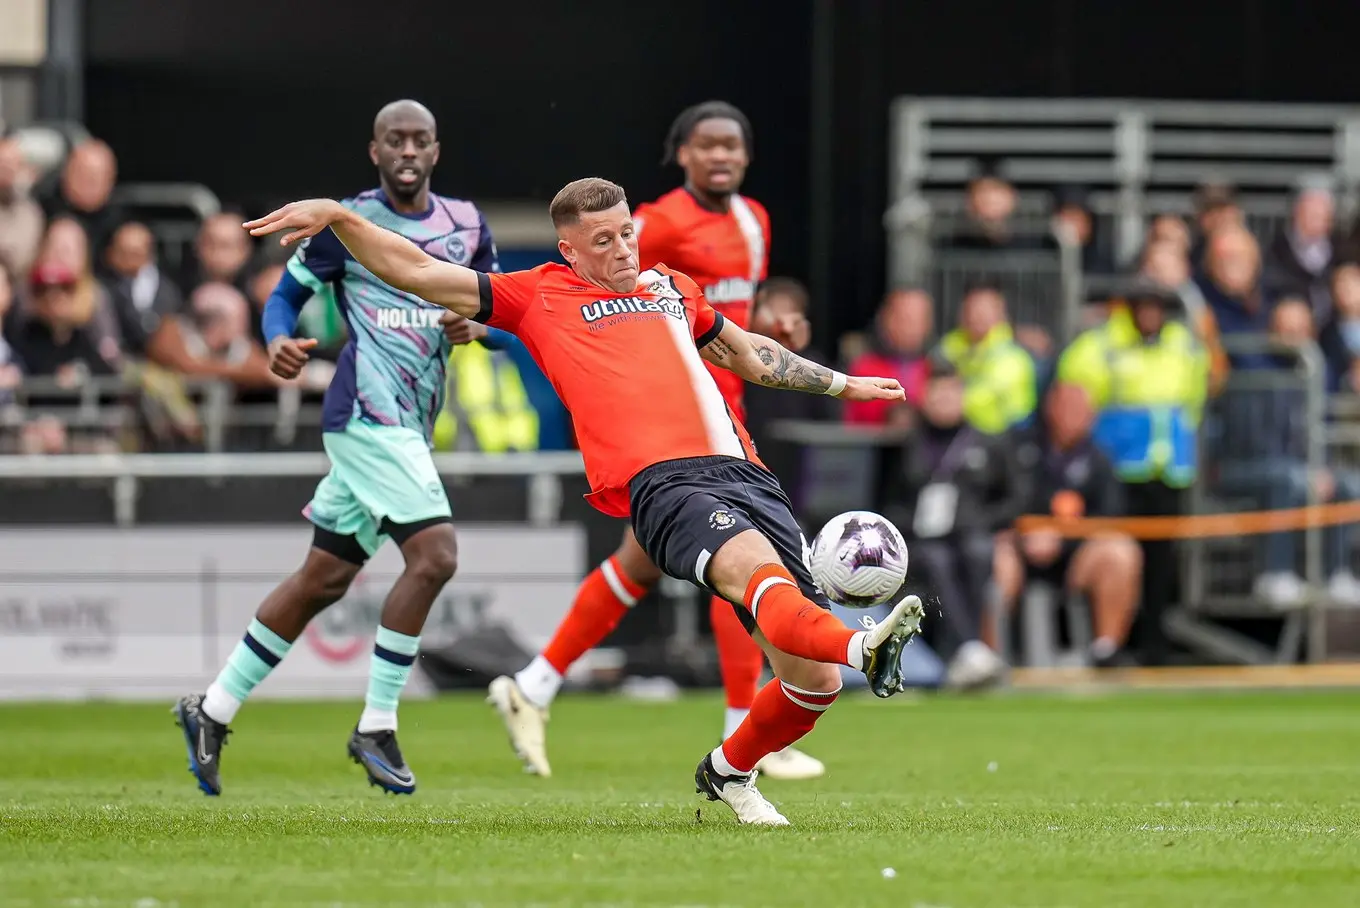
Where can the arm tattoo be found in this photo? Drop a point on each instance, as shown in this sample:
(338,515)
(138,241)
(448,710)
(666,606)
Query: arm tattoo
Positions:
(722,350)
(789,370)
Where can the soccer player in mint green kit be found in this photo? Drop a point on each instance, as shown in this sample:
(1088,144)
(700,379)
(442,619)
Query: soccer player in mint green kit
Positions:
(379,413)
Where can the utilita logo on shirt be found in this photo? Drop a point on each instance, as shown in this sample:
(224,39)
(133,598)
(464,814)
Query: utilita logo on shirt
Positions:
(397,319)
(631,305)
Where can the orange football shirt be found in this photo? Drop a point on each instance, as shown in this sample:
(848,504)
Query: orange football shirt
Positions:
(725,252)
(626,365)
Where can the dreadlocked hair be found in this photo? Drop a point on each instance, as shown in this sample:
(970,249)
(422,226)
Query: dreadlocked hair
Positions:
(691,117)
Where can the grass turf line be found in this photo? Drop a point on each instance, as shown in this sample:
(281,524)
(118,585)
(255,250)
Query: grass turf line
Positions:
(1160,799)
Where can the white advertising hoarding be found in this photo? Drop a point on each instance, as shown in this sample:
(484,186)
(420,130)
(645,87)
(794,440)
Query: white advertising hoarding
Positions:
(154,612)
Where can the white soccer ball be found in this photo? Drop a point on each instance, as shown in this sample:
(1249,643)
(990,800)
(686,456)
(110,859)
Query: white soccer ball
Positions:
(859,559)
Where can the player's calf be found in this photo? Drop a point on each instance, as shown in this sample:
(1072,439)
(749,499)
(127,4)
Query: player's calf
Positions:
(430,549)
(322,580)
(747,569)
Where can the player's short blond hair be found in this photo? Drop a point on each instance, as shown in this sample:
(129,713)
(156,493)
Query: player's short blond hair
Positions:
(584,197)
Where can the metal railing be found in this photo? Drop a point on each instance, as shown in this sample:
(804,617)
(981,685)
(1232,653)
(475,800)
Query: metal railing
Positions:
(1264,421)
(1136,157)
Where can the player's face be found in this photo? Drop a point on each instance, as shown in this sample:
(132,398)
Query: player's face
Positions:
(405,154)
(602,248)
(714,158)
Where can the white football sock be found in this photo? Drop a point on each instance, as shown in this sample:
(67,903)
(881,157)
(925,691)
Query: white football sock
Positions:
(372,720)
(723,767)
(854,655)
(539,682)
(219,705)
(732,719)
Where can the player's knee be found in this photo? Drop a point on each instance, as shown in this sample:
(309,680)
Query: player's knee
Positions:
(813,677)
(435,564)
(731,567)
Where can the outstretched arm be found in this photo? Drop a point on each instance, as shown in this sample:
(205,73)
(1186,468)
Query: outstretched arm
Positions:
(394,259)
(760,360)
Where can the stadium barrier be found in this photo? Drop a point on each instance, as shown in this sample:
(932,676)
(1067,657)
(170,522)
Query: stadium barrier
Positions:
(130,609)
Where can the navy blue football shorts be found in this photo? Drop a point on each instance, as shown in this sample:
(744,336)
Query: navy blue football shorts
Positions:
(684,510)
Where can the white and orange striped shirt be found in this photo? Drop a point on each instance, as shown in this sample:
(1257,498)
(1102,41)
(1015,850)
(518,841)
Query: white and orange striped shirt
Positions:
(626,365)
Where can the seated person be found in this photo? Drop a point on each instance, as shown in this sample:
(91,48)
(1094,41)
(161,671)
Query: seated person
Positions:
(1072,478)
(956,487)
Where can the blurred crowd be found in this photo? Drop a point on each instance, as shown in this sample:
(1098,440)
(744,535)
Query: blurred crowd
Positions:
(104,348)
(1193,370)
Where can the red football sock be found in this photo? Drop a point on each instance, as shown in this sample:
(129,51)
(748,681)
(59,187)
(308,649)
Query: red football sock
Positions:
(739,656)
(794,623)
(780,716)
(602,600)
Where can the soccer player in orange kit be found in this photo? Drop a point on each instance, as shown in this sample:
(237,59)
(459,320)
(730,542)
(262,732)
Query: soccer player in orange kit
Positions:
(625,350)
(721,240)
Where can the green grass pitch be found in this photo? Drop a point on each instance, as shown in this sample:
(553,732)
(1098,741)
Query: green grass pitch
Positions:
(1157,800)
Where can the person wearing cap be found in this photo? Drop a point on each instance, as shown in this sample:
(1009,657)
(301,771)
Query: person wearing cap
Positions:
(999,375)
(955,489)
(59,336)
(1147,376)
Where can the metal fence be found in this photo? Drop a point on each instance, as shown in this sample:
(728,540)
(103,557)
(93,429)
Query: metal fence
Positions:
(1266,427)
(1041,287)
(1136,157)
(150,410)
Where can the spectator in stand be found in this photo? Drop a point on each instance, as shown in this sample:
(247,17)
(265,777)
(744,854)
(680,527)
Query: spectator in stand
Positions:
(1215,208)
(11,367)
(59,336)
(65,243)
(902,330)
(1263,453)
(21,218)
(989,222)
(85,192)
(1074,479)
(1165,262)
(1301,255)
(1147,376)
(1231,287)
(1340,340)
(1072,219)
(222,251)
(141,293)
(780,310)
(217,324)
(998,374)
(1171,228)
(956,488)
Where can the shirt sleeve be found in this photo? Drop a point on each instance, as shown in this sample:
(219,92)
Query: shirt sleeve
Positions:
(705,322)
(319,261)
(505,298)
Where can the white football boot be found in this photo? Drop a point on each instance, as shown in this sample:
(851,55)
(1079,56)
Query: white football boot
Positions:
(524,722)
(738,792)
(791,764)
